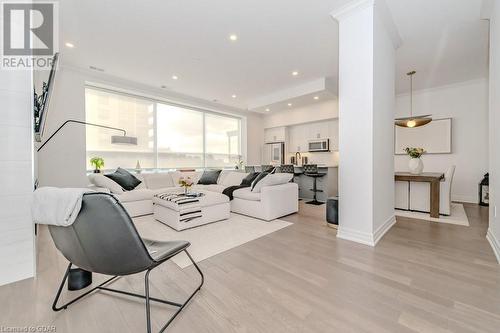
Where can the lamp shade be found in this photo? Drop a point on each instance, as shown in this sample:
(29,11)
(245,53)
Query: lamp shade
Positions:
(124,140)
(411,122)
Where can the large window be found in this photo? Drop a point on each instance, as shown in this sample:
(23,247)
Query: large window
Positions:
(168,136)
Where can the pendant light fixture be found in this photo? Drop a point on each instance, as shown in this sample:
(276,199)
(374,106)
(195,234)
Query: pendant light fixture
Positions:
(412,121)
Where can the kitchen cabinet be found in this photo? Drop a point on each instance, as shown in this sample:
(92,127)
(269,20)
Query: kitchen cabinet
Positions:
(319,130)
(275,134)
(298,138)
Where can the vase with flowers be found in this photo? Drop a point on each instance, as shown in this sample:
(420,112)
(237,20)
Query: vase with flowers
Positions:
(415,165)
(186,183)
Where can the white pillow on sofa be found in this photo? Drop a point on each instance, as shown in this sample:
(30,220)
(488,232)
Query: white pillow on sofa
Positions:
(158,180)
(99,180)
(231,178)
(272,180)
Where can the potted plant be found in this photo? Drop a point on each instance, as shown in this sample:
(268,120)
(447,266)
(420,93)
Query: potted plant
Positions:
(415,165)
(98,163)
(239,164)
(186,182)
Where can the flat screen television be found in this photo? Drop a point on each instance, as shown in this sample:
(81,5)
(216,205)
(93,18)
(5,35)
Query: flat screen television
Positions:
(42,101)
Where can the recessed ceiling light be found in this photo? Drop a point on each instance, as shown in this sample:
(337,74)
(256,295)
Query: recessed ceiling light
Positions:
(289,104)
(70,45)
(233,37)
(316,97)
(174,77)
(233,96)
(295,73)
(267,110)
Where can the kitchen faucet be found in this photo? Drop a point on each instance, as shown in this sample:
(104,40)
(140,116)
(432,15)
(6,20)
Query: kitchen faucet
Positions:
(297,156)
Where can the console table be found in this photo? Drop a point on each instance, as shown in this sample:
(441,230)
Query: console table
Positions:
(433,179)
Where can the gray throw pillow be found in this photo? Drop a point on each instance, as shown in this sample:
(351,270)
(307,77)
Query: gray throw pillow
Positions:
(209,177)
(124,178)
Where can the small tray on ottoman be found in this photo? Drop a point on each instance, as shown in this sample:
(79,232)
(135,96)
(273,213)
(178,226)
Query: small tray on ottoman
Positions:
(181,211)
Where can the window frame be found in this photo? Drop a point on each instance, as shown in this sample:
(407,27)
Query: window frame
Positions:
(156,101)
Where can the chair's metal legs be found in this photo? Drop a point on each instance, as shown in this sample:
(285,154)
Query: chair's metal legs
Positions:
(146,296)
(148,307)
(189,298)
(64,306)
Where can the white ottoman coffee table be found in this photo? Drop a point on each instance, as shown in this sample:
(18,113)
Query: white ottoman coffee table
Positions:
(211,207)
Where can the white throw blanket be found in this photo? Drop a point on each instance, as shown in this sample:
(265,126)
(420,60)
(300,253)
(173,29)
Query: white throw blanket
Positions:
(57,206)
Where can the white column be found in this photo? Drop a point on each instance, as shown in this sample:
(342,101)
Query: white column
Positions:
(494,115)
(367,43)
(16,176)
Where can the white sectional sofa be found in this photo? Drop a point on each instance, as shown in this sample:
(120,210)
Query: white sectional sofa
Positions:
(270,203)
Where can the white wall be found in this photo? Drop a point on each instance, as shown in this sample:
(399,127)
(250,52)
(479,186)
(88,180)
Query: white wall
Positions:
(255,138)
(62,162)
(467,104)
(306,114)
(16,178)
(494,139)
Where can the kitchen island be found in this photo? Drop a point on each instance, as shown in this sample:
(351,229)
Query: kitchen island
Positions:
(328,183)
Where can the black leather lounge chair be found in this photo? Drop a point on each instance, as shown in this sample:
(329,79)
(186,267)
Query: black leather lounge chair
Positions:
(104,240)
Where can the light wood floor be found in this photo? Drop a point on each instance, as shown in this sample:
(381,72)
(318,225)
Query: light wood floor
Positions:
(422,277)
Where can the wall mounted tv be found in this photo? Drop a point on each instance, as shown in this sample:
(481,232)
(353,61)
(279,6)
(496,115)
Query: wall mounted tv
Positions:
(42,101)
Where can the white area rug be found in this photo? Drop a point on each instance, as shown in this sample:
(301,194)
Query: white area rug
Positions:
(457,216)
(210,239)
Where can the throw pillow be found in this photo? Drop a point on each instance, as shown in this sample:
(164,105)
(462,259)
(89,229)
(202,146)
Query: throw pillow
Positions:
(99,180)
(209,177)
(272,180)
(259,177)
(155,181)
(250,178)
(231,178)
(124,178)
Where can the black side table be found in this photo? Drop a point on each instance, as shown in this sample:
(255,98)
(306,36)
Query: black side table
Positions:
(332,211)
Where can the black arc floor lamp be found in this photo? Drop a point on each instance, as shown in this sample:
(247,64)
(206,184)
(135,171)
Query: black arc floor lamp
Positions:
(115,139)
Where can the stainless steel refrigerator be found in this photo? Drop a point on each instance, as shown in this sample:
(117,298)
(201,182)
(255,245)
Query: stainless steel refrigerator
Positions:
(274,153)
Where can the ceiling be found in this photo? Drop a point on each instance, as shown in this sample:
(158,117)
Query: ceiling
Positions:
(444,40)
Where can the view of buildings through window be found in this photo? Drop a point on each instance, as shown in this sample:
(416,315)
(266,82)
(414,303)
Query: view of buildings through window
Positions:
(168,136)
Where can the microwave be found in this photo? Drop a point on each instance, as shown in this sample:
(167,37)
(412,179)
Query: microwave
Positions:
(318,145)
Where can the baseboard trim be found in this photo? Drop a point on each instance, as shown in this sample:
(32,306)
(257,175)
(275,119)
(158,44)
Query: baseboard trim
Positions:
(464,199)
(365,237)
(494,243)
(355,236)
(384,228)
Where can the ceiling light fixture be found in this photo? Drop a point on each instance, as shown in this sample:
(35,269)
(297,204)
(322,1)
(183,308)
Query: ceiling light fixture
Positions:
(174,77)
(233,37)
(233,96)
(70,45)
(267,110)
(316,97)
(412,121)
(289,104)
(295,73)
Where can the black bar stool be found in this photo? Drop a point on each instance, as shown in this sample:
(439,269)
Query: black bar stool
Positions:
(289,168)
(311,170)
